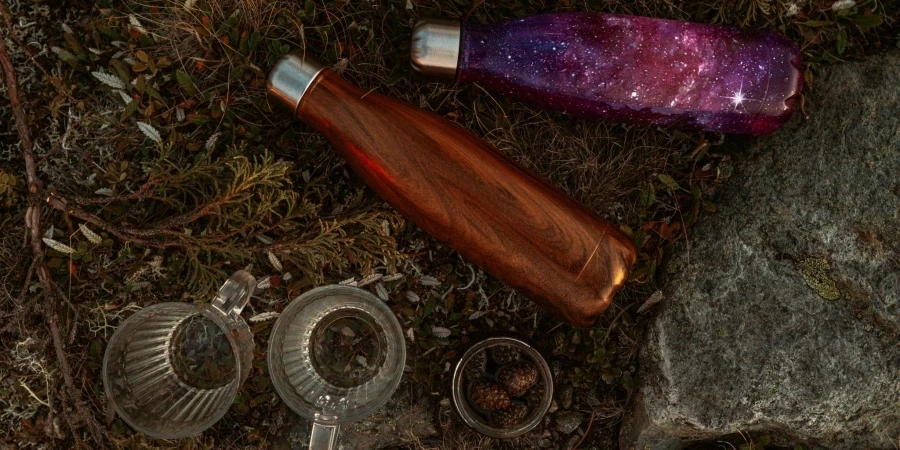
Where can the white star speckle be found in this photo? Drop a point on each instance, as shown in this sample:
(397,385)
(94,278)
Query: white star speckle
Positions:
(738,98)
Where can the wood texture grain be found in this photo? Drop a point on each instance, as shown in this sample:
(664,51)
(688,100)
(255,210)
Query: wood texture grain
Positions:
(464,192)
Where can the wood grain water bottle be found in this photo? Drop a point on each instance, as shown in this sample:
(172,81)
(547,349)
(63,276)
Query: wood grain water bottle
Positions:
(626,68)
(464,192)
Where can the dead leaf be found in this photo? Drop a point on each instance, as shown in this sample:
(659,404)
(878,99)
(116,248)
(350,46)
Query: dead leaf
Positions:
(655,298)
(440,332)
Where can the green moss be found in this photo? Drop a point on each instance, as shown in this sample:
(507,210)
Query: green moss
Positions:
(815,272)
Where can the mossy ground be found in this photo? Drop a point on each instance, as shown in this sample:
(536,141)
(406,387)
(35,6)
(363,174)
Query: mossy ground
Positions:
(151,116)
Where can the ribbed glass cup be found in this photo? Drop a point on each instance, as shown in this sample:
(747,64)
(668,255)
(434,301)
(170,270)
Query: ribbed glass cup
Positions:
(172,370)
(336,354)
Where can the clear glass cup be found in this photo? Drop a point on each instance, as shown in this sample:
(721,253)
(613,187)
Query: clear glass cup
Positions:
(173,369)
(336,355)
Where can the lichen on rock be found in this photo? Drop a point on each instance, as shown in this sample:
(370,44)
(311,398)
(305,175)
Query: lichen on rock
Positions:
(815,272)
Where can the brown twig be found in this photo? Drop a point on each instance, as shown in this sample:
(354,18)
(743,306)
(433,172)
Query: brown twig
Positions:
(29,273)
(33,223)
(585,431)
(139,194)
(166,226)
(7,17)
(138,236)
(143,236)
(188,217)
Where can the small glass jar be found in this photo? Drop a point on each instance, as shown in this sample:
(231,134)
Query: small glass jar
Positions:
(479,420)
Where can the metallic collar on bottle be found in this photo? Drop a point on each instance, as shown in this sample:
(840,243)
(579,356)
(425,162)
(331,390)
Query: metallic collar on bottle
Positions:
(435,48)
(290,78)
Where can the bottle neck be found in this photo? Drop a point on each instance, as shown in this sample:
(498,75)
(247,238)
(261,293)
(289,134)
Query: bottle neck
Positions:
(290,79)
(435,49)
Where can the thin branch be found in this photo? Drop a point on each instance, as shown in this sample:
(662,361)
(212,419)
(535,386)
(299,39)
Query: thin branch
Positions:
(141,236)
(29,273)
(33,223)
(138,236)
(7,17)
(585,431)
(188,217)
(33,395)
(139,194)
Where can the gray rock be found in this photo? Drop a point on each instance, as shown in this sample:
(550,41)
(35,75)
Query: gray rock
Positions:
(567,396)
(568,421)
(553,407)
(783,314)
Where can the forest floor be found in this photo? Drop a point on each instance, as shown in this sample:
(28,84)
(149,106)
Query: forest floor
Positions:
(168,171)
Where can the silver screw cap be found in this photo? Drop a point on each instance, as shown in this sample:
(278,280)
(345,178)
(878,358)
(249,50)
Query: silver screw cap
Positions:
(289,79)
(435,48)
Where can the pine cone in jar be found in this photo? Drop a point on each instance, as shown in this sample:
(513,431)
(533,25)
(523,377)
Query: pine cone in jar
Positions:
(535,396)
(488,396)
(476,366)
(509,417)
(517,378)
(504,354)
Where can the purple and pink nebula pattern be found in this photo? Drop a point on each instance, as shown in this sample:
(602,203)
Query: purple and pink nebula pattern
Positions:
(638,69)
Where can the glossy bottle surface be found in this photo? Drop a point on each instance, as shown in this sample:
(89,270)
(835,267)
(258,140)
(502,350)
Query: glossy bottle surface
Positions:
(464,192)
(638,69)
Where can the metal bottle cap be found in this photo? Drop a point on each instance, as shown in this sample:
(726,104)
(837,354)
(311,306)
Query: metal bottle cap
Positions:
(435,48)
(290,78)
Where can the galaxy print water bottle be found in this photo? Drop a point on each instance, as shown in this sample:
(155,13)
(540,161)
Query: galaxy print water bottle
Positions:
(625,68)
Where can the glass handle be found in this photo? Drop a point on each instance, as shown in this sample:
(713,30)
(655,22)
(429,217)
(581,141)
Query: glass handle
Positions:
(235,293)
(323,437)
